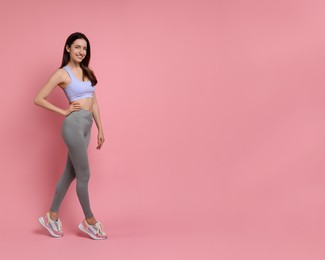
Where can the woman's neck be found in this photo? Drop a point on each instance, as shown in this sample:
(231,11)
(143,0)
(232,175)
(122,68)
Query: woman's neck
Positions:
(74,65)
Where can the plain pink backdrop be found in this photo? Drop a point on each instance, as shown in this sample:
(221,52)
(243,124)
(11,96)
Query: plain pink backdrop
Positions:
(214,118)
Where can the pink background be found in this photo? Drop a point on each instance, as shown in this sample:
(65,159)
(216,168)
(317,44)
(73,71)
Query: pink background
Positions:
(214,118)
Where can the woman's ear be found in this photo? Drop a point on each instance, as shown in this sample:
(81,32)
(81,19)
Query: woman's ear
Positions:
(67,48)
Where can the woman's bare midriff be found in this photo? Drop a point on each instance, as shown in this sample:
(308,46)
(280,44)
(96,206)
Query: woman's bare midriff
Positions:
(85,103)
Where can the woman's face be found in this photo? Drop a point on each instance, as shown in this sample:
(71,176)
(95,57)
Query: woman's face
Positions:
(77,50)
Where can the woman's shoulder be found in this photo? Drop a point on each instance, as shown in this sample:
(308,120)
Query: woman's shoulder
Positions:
(61,73)
(60,76)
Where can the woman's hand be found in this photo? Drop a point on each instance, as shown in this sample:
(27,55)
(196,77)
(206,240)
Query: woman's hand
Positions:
(100,140)
(74,106)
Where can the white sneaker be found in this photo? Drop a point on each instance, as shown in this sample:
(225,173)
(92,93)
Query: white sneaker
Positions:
(54,227)
(94,231)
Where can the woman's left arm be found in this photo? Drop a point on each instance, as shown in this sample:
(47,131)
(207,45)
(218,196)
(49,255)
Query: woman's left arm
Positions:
(96,116)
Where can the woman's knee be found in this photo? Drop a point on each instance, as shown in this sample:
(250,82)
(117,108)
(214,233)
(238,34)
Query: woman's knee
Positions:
(83,177)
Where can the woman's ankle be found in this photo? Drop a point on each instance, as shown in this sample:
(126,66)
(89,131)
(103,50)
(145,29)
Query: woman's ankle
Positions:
(91,221)
(54,215)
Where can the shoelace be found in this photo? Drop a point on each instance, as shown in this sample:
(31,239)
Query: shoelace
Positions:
(59,225)
(56,224)
(99,228)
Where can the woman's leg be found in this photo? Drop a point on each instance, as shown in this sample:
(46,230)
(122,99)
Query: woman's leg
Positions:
(76,135)
(62,187)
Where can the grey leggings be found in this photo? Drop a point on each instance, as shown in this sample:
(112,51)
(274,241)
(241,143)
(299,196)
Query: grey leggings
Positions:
(76,130)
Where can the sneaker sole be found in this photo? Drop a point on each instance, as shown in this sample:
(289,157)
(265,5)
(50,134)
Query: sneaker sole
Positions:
(90,234)
(41,220)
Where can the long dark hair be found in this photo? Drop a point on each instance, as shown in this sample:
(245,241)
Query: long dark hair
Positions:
(85,62)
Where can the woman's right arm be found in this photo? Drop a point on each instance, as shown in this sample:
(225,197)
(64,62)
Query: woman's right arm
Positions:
(40,100)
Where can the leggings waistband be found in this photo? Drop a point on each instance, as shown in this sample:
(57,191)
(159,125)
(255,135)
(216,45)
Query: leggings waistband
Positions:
(82,112)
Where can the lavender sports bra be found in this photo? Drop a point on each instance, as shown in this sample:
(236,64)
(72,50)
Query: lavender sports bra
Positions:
(77,89)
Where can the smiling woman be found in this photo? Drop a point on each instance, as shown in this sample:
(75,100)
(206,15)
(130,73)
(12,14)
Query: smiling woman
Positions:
(78,82)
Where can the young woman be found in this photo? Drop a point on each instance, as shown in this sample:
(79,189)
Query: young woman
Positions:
(78,82)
